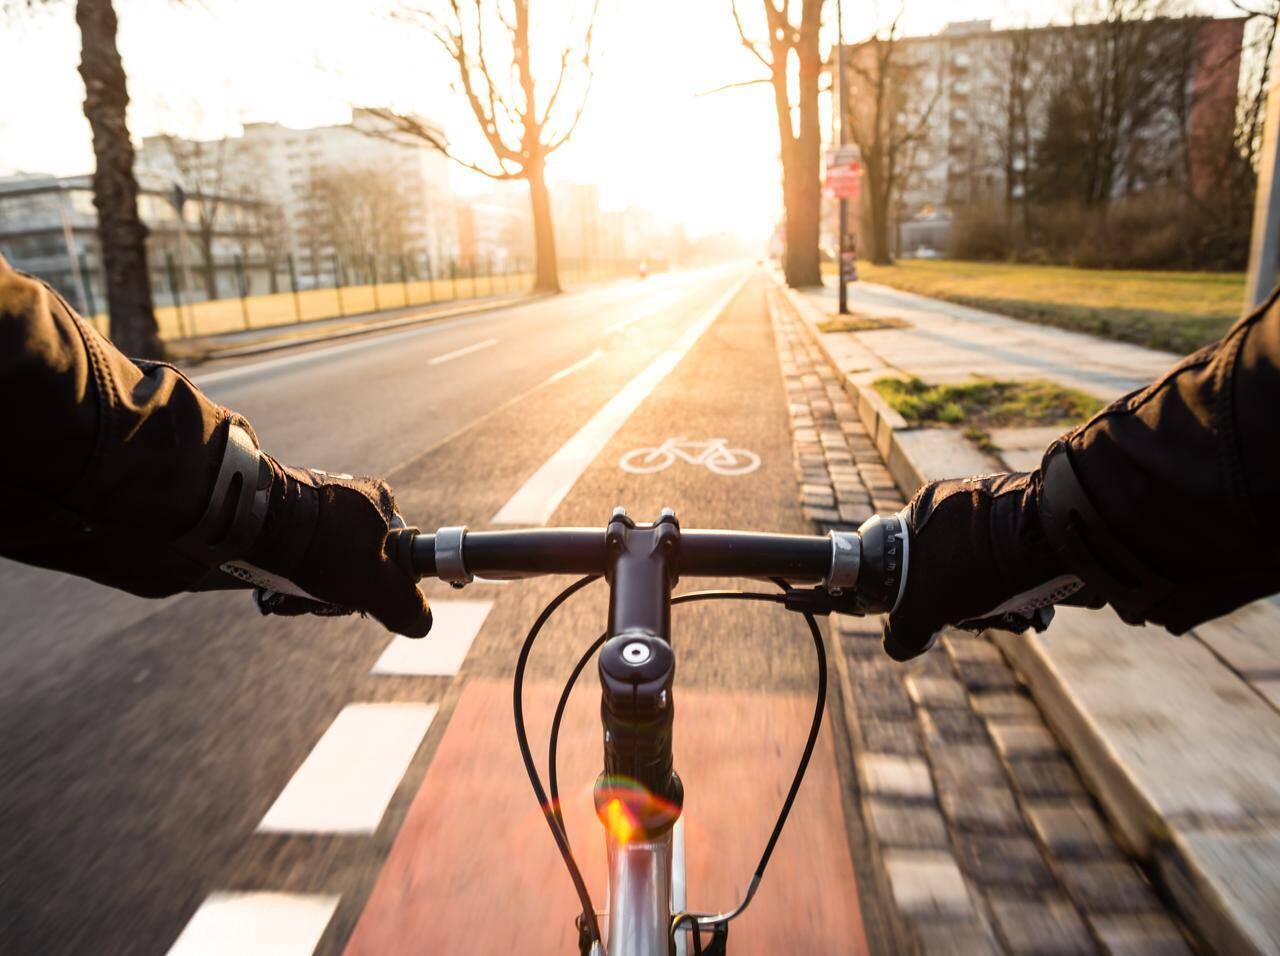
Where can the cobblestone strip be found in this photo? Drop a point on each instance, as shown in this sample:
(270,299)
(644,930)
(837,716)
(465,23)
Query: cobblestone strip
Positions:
(985,840)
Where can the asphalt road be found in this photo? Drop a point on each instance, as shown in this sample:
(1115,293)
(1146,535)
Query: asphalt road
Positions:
(146,740)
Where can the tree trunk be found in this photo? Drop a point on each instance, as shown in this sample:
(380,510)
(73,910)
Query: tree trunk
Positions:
(803,209)
(208,266)
(121,233)
(546,276)
(877,217)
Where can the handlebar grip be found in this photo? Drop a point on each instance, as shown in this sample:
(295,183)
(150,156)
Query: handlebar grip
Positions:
(413,551)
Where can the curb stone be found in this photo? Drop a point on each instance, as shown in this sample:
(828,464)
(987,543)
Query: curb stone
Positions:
(948,813)
(913,455)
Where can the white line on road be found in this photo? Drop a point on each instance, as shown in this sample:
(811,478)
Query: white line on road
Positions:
(538,498)
(455,626)
(348,779)
(576,366)
(465,350)
(358,345)
(653,310)
(256,924)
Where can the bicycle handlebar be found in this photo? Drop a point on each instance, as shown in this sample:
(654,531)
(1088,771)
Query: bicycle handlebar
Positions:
(868,563)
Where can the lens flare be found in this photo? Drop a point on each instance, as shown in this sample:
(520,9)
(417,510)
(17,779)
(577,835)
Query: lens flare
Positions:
(619,821)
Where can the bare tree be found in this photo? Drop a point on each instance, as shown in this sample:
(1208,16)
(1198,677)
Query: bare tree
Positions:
(520,124)
(1005,110)
(358,212)
(1262,23)
(121,232)
(201,167)
(795,42)
(889,111)
(1115,122)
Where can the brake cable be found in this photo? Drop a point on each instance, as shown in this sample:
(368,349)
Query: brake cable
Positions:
(718,921)
(589,923)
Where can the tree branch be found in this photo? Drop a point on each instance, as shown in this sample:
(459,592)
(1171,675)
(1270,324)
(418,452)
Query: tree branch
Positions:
(413,128)
(747,41)
(733,86)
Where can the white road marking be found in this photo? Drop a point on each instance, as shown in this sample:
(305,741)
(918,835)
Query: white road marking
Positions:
(538,498)
(454,627)
(576,366)
(714,453)
(458,353)
(357,345)
(348,779)
(256,924)
(653,310)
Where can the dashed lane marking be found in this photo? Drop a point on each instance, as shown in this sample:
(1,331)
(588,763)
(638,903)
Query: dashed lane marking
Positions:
(538,498)
(576,366)
(256,924)
(465,350)
(442,651)
(350,775)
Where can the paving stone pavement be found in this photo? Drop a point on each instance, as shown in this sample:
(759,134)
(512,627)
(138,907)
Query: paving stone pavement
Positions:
(984,839)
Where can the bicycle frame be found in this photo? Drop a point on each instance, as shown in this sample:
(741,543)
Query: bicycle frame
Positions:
(643,895)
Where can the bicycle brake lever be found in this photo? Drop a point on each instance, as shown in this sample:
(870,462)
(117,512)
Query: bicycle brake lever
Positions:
(816,600)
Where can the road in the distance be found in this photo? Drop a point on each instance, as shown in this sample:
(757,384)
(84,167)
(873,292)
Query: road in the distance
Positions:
(148,737)
(365,405)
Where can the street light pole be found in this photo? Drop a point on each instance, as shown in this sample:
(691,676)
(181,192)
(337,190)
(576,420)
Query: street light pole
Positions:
(842,225)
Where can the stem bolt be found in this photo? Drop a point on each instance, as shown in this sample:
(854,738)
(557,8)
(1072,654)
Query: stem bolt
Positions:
(636,653)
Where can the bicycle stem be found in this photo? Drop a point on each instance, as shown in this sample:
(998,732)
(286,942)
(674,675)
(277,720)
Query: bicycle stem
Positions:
(639,792)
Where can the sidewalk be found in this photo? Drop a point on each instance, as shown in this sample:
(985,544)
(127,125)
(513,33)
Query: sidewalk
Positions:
(273,337)
(1178,738)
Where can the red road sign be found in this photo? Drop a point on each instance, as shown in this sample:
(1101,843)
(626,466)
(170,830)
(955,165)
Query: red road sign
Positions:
(845,181)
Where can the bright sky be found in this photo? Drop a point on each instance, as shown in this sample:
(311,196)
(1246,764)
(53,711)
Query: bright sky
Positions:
(647,139)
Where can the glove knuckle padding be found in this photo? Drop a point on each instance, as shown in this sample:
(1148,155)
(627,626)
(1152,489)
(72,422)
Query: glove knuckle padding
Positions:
(975,542)
(343,560)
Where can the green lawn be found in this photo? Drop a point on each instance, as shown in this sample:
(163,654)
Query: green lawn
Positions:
(1178,311)
(986,403)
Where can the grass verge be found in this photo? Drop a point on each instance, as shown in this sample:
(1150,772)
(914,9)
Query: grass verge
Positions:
(859,322)
(985,404)
(1177,311)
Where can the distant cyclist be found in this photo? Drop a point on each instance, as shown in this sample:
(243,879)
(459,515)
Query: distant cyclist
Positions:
(1164,505)
(124,472)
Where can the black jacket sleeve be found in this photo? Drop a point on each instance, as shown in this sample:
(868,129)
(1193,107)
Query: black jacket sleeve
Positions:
(1183,482)
(108,461)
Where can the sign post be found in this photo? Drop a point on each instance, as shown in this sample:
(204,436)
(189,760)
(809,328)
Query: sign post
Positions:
(844,174)
(844,181)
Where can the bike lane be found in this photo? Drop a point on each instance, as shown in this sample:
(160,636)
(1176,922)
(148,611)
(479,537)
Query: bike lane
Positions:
(473,866)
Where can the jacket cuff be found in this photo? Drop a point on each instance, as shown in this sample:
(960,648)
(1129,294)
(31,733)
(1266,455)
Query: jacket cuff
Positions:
(1085,543)
(237,505)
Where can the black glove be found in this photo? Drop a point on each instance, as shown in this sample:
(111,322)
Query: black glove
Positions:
(977,557)
(325,548)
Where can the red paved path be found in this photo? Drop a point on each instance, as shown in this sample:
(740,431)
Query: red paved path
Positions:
(474,868)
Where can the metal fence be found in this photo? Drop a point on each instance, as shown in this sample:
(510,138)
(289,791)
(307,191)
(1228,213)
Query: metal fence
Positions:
(268,294)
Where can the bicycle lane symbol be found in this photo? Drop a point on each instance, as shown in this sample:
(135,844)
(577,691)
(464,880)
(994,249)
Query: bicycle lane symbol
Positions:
(714,454)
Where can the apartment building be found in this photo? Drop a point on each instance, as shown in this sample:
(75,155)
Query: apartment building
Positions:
(284,165)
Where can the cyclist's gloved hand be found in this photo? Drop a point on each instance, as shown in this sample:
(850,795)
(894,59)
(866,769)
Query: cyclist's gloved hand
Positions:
(325,548)
(977,558)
